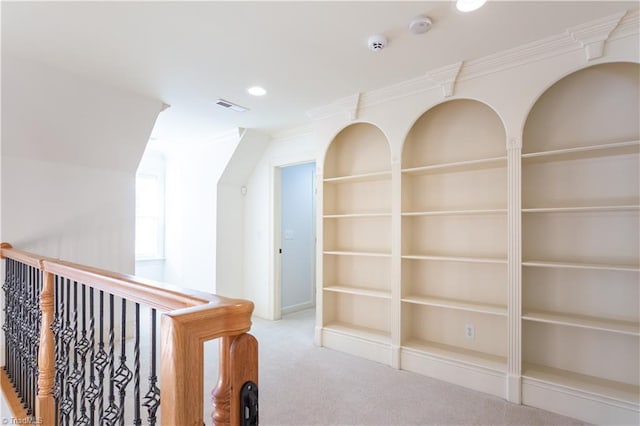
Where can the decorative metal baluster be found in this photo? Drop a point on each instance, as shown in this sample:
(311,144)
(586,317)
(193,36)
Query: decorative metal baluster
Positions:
(75,376)
(20,332)
(56,328)
(123,374)
(66,406)
(101,361)
(136,371)
(152,397)
(92,391)
(7,314)
(111,414)
(81,349)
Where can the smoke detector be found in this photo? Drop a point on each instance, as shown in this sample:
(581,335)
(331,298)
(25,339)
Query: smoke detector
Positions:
(377,42)
(420,24)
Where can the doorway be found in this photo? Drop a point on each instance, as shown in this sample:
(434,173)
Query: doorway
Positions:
(297,236)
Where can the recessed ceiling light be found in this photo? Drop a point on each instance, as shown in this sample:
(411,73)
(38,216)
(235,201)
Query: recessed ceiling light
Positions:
(256,91)
(469,5)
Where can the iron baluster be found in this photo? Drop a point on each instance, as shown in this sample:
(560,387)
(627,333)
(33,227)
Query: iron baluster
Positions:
(123,373)
(136,370)
(110,415)
(152,397)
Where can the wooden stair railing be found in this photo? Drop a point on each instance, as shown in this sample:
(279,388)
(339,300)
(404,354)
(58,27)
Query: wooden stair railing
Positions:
(189,318)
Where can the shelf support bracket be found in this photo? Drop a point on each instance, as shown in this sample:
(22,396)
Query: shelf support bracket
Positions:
(446,77)
(593,36)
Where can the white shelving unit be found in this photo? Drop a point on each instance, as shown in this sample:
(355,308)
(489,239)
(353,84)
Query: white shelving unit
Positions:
(581,257)
(356,284)
(454,242)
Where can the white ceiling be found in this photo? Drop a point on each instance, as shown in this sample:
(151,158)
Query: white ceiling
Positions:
(306,54)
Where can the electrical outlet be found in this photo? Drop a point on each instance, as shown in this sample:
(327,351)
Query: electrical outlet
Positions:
(470,331)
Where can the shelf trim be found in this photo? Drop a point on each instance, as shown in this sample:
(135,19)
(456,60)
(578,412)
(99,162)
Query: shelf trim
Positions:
(575,265)
(454,212)
(581,209)
(458,259)
(581,321)
(485,163)
(575,150)
(456,354)
(379,294)
(482,308)
(373,176)
(355,253)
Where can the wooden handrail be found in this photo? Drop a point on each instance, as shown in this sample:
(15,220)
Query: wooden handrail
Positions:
(189,319)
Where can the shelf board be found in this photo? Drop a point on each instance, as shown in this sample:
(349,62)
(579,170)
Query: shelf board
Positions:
(618,148)
(581,321)
(359,291)
(483,308)
(371,334)
(458,259)
(480,359)
(460,166)
(575,265)
(355,215)
(356,253)
(582,209)
(362,177)
(608,388)
(455,212)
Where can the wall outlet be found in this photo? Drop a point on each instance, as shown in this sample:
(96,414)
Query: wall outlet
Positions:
(470,331)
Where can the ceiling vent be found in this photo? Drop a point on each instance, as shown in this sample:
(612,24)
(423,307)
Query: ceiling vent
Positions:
(230,105)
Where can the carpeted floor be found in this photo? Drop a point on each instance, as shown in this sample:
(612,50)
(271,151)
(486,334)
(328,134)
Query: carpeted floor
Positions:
(301,384)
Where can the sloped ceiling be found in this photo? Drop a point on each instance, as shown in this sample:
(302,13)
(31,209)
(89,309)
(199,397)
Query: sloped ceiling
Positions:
(306,54)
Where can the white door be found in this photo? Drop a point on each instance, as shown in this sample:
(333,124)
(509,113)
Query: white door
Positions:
(297,227)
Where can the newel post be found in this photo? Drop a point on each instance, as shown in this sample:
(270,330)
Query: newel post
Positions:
(45,403)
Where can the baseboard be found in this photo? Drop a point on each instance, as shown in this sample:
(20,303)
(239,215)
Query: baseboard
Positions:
(580,405)
(297,308)
(358,346)
(470,376)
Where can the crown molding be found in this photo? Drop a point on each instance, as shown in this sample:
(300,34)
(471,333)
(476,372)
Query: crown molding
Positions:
(590,36)
(445,77)
(627,27)
(594,34)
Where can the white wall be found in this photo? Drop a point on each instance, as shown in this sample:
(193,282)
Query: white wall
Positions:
(230,221)
(69,154)
(296,146)
(191,185)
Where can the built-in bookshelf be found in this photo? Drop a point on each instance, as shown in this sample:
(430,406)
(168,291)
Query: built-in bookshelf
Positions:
(581,247)
(356,275)
(454,243)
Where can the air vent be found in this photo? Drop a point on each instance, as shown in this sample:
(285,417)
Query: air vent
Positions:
(231,105)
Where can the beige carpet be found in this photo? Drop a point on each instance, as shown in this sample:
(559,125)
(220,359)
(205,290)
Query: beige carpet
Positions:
(301,384)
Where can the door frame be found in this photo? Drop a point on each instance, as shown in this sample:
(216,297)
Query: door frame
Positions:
(276,293)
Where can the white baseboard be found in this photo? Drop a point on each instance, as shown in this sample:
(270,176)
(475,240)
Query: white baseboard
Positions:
(456,372)
(580,405)
(358,346)
(297,308)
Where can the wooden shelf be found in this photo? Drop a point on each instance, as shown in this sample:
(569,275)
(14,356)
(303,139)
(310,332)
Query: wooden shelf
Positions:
(457,259)
(581,209)
(455,212)
(356,215)
(361,332)
(356,253)
(483,308)
(575,265)
(618,148)
(460,166)
(363,177)
(608,388)
(476,358)
(359,291)
(571,320)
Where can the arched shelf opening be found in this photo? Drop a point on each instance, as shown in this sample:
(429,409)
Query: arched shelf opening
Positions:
(454,235)
(356,271)
(581,235)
